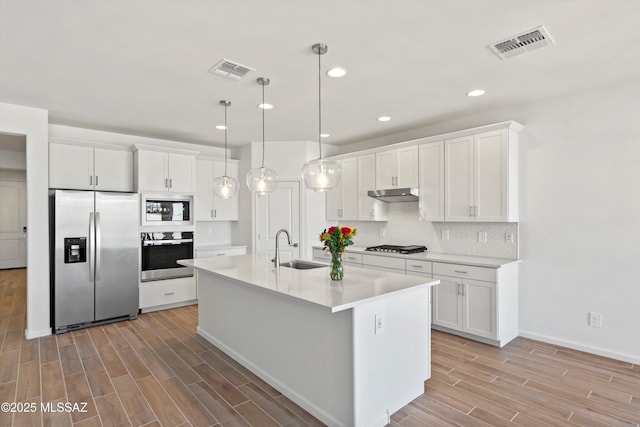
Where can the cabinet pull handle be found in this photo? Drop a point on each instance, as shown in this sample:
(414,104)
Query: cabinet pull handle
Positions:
(352,258)
(417,266)
(470,210)
(166,183)
(463,290)
(211,213)
(220,254)
(458,289)
(90,180)
(170,183)
(215,213)
(460,271)
(169,293)
(96,180)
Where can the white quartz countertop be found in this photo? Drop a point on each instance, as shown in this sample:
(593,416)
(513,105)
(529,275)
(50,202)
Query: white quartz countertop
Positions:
(219,246)
(438,257)
(358,287)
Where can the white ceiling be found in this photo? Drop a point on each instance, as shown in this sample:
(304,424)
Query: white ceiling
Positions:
(140,67)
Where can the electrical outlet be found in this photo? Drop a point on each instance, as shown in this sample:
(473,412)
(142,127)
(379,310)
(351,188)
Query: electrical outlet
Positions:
(381,231)
(595,319)
(482,236)
(379,325)
(210,229)
(445,234)
(508,237)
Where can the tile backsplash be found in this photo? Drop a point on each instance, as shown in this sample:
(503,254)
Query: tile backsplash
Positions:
(404,228)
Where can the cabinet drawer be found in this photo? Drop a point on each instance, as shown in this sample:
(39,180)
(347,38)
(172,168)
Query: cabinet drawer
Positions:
(320,255)
(471,272)
(170,291)
(352,258)
(418,266)
(383,261)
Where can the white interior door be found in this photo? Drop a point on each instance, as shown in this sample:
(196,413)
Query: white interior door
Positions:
(13,224)
(280,209)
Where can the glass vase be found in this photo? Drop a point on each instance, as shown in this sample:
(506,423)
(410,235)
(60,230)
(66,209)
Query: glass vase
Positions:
(337,271)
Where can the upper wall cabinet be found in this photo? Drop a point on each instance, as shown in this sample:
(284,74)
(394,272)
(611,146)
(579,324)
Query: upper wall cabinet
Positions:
(349,201)
(342,200)
(209,207)
(397,168)
(163,171)
(85,167)
(369,209)
(431,188)
(481,177)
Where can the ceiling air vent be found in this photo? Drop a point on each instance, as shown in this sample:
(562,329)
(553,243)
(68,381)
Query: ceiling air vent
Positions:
(231,69)
(521,43)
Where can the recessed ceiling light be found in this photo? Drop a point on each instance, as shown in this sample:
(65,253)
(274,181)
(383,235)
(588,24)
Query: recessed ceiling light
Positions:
(221,127)
(476,92)
(265,106)
(384,118)
(324,135)
(336,72)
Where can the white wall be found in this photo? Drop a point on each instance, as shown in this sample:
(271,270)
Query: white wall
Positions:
(13,160)
(32,122)
(579,224)
(97,136)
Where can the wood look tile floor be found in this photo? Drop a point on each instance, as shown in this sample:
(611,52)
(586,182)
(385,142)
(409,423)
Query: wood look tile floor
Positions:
(155,371)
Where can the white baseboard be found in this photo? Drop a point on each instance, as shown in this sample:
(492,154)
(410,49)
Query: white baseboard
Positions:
(37,334)
(580,347)
(282,388)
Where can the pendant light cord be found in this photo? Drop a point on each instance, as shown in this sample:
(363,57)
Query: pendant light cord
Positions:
(319,106)
(263,126)
(225,139)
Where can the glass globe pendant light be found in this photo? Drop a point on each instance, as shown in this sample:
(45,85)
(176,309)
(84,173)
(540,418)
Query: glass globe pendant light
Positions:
(320,174)
(225,186)
(262,180)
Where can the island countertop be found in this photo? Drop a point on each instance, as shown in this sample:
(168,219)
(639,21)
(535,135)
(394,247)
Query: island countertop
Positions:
(359,286)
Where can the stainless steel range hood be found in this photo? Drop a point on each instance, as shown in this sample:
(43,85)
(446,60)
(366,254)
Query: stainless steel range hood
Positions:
(395,195)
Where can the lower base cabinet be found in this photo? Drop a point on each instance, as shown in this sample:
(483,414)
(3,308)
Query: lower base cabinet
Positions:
(476,302)
(170,293)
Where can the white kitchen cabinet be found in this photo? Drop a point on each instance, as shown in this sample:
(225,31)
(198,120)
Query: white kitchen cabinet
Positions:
(369,209)
(476,302)
(162,294)
(84,167)
(342,200)
(481,177)
(209,207)
(431,181)
(397,168)
(162,171)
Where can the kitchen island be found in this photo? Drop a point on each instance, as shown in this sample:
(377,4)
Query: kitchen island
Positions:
(350,352)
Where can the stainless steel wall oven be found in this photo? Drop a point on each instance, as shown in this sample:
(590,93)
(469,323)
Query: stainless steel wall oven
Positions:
(160,253)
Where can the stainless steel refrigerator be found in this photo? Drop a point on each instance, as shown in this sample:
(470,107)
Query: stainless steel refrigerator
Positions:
(95,247)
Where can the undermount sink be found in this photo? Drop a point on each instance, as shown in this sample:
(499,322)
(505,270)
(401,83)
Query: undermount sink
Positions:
(299,264)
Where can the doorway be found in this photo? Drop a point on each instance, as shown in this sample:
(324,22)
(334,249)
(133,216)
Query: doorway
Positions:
(280,209)
(13,202)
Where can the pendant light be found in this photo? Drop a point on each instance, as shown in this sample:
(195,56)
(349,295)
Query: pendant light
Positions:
(262,180)
(225,186)
(320,174)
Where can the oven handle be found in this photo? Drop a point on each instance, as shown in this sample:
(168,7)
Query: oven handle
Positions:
(165,242)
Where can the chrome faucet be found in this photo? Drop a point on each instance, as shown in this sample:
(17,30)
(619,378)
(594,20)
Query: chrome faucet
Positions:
(276,259)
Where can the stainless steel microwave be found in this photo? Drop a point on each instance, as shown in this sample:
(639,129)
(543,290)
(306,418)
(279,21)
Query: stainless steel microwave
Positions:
(166,209)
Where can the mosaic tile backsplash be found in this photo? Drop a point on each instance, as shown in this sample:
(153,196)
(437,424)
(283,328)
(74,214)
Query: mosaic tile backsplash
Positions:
(404,228)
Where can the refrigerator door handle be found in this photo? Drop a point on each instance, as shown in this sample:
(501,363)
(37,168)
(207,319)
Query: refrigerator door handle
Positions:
(98,244)
(92,247)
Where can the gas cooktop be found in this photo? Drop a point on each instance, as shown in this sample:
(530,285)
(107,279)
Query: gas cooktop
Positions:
(397,249)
